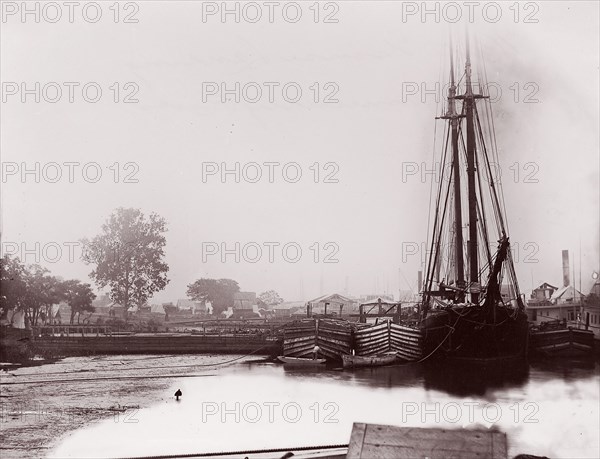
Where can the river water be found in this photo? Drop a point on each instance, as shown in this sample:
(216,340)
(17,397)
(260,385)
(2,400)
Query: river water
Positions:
(548,409)
(117,406)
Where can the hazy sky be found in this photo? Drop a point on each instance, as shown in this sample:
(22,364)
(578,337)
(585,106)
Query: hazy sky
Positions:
(370,61)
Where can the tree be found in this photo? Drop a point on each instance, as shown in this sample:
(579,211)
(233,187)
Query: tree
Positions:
(42,292)
(13,288)
(218,291)
(79,296)
(269,298)
(128,257)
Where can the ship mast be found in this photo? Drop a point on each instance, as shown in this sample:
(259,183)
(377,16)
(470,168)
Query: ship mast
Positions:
(469,99)
(454,123)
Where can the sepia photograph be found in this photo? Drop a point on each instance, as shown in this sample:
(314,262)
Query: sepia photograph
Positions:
(352,229)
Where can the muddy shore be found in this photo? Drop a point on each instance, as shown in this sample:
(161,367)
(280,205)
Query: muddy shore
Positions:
(40,405)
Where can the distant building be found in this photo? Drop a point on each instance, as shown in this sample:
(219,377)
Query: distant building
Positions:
(375,296)
(291,304)
(549,303)
(157,308)
(15,318)
(244,300)
(102,304)
(186,306)
(566,295)
(591,310)
(116,310)
(60,314)
(333,303)
(543,292)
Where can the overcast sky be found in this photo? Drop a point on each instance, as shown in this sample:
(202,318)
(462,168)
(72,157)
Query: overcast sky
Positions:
(370,61)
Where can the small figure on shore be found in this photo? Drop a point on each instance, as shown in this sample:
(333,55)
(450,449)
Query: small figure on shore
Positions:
(316,351)
(178,394)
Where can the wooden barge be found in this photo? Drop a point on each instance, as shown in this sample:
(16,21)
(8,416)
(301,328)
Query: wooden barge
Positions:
(89,343)
(561,341)
(334,338)
(389,337)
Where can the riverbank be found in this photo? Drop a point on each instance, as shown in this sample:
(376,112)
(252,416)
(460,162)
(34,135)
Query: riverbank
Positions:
(41,405)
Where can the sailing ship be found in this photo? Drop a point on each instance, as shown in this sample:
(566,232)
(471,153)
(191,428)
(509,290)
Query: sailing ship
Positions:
(462,312)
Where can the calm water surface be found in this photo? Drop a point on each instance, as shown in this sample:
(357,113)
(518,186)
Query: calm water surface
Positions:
(547,409)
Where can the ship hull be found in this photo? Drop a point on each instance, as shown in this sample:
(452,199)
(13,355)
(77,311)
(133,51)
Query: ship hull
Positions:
(471,333)
(566,342)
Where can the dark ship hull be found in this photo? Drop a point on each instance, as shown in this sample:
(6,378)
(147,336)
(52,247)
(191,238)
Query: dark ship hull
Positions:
(469,333)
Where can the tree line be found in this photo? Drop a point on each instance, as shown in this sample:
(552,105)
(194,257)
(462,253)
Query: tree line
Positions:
(127,258)
(32,290)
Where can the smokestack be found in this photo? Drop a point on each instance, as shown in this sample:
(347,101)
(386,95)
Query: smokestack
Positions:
(419,281)
(565,264)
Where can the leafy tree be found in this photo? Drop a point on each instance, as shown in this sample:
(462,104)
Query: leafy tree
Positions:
(269,298)
(13,287)
(79,296)
(42,292)
(128,257)
(218,291)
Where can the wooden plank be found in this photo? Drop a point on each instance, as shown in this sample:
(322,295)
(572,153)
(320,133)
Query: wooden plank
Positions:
(499,445)
(355,444)
(373,440)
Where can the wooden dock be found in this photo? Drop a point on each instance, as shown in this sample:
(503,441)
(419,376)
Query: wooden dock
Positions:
(389,442)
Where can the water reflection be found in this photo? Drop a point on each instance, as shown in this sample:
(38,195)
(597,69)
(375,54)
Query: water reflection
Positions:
(566,369)
(461,379)
(456,378)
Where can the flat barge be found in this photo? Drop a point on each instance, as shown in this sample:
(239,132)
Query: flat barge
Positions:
(76,341)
